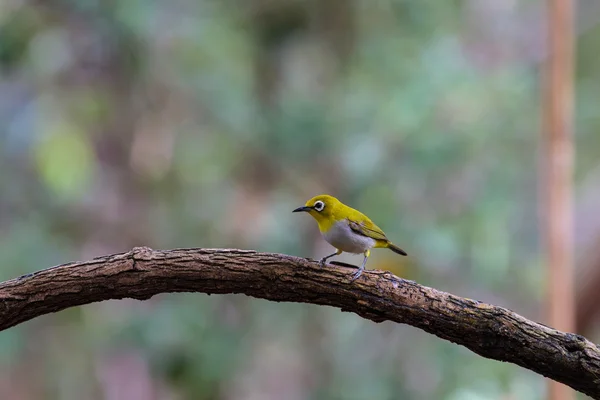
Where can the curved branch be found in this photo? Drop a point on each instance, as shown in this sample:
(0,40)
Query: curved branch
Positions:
(489,331)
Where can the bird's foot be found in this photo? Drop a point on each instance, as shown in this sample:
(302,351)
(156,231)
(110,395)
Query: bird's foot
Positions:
(356,275)
(322,262)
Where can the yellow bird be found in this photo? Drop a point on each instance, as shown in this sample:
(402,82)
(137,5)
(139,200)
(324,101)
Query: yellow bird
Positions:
(346,229)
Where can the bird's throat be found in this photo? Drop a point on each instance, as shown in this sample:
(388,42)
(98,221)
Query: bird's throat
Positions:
(325,224)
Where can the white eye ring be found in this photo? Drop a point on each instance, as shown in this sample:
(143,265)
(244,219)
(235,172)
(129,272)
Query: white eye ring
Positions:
(319,206)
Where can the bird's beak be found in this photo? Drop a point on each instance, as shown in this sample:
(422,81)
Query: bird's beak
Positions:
(303,208)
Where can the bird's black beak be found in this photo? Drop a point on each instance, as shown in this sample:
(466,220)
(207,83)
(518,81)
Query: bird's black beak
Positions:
(304,208)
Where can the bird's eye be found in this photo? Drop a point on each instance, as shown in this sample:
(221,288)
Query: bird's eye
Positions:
(319,206)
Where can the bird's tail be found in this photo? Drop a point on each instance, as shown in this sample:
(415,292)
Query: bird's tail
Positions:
(396,249)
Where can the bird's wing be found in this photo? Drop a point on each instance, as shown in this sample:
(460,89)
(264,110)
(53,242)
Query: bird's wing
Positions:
(367,228)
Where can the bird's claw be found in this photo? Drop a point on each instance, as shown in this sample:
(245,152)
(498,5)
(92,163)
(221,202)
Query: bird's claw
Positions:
(356,275)
(322,263)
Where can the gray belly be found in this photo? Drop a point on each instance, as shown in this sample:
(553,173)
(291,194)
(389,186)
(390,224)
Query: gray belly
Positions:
(343,238)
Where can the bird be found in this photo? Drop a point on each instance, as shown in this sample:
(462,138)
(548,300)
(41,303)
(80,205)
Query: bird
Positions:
(346,229)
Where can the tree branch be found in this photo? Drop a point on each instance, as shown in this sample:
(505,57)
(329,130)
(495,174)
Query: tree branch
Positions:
(489,331)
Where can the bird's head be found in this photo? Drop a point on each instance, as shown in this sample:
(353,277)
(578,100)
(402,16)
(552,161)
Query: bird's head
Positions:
(322,207)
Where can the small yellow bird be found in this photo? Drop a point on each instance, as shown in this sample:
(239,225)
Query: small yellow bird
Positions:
(346,229)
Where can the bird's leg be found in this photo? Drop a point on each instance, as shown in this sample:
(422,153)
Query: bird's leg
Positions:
(362,267)
(322,262)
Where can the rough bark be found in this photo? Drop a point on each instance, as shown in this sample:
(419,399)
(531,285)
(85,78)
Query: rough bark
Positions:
(489,331)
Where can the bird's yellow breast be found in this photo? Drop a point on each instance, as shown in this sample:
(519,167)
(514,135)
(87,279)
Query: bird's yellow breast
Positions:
(325,224)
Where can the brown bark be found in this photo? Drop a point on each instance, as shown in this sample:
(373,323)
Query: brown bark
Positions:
(489,331)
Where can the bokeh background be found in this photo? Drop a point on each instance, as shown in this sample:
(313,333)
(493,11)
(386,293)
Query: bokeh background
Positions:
(201,123)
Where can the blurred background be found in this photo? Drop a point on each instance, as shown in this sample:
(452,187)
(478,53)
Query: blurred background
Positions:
(204,123)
